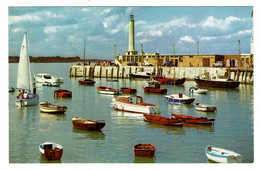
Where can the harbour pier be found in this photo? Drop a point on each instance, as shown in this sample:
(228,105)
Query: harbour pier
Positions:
(243,75)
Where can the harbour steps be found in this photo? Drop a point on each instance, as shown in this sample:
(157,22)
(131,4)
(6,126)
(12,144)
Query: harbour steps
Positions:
(243,75)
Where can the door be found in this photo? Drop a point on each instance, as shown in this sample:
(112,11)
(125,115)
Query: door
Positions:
(206,62)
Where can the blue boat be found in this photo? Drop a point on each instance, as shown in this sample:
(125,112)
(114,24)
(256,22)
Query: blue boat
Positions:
(179,98)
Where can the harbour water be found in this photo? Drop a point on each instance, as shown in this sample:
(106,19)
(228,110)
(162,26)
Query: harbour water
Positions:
(28,127)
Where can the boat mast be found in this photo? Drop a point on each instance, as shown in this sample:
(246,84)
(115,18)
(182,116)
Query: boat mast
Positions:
(173,67)
(84,61)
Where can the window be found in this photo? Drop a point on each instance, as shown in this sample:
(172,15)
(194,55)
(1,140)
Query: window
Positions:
(180,58)
(191,56)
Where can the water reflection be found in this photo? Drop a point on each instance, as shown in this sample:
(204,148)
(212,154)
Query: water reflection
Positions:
(209,128)
(176,130)
(59,116)
(42,160)
(140,159)
(94,135)
(26,112)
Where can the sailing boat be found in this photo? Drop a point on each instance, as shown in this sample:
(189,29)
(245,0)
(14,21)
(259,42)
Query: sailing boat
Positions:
(178,97)
(85,81)
(24,78)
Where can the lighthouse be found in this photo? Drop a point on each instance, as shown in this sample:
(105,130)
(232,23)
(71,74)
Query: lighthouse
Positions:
(131,43)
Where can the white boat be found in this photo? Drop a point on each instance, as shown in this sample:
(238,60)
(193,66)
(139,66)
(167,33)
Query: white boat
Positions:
(24,78)
(205,108)
(51,84)
(133,104)
(51,108)
(222,155)
(108,90)
(179,98)
(196,90)
(47,78)
(51,150)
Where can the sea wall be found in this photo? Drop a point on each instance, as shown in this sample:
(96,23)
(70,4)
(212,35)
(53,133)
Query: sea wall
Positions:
(241,74)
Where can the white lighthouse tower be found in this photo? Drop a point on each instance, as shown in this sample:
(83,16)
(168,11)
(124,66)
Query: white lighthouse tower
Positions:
(131,43)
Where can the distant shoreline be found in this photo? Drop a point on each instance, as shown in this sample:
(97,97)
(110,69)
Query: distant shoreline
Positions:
(57,59)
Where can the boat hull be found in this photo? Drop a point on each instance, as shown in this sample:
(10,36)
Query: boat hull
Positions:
(162,120)
(145,150)
(51,154)
(193,120)
(51,84)
(154,90)
(62,93)
(136,76)
(216,84)
(128,90)
(84,82)
(33,99)
(84,124)
(182,101)
(171,81)
(52,108)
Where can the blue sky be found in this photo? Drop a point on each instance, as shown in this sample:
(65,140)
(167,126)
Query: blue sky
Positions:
(61,31)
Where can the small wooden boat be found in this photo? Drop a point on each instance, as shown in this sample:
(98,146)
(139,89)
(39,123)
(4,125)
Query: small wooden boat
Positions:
(154,87)
(86,82)
(205,108)
(51,108)
(11,89)
(222,155)
(127,90)
(85,124)
(193,119)
(134,105)
(49,84)
(196,90)
(51,151)
(179,98)
(146,150)
(162,120)
(108,90)
(62,93)
(170,81)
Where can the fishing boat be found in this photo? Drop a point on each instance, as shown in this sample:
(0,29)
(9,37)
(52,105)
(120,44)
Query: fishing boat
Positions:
(127,90)
(170,81)
(51,84)
(62,93)
(162,120)
(221,155)
(108,90)
(45,77)
(134,105)
(205,108)
(86,82)
(196,90)
(51,151)
(24,78)
(193,119)
(51,108)
(154,86)
(85,124)
(11,89)
(179,98)
(140,75)
(146,150)
(214,81)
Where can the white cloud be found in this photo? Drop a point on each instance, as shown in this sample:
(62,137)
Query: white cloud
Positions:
(139,34)
(207,38)
(155,33)
(105,11)
(219,23)
(73,39)
(15,19)
(85,9)
(140,22)
(54,29)
(16,29)
(187,39)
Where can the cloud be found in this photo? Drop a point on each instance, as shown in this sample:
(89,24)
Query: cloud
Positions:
(85,9)
(219,23)
(155,33)
(54,29)
(18,29)
(73,39)
(105,11)
(140,22)
(186,39)
(16,19)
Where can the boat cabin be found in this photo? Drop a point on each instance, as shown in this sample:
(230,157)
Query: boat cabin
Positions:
(128,99)
(154,84)
(43,75)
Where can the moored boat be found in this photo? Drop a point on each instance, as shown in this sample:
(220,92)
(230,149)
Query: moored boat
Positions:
(45,77)
(86,82)
(85,124)
(214,81)
(196,90)
(162,120)
(193,119)
(205,108)
(51,108)
(51,151)
(170,81)
(140,75)
(133,104)
(62,93)
(154,86)
(11,89)
(179,98)
(127,90)
(51,84)
(108,90)
(221,155)
(146,150)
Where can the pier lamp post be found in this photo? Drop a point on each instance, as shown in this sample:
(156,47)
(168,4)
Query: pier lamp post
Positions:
(115,51)
(238,47)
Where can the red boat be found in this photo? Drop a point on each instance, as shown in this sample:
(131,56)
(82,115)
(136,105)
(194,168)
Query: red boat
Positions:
(85,124)
(154,87)
(144,150)
(170,81)
(51,151)
(86,82)
(162,120)
(192,119)
(127,90)
(62,93)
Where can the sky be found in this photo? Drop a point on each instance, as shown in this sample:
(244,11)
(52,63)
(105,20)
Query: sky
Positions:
(61,31)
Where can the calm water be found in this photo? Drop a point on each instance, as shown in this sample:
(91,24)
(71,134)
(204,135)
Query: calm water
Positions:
(28,127)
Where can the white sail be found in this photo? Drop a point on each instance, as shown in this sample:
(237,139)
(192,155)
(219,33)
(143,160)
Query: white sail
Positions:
(24,78)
